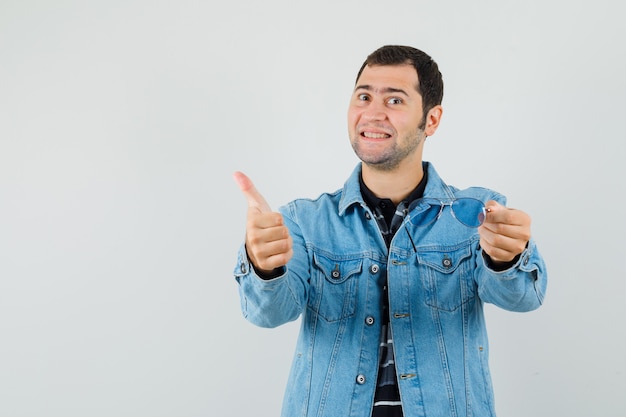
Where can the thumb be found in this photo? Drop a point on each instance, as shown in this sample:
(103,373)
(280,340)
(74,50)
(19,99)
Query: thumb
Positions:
(493,205)
(255,199)
(495,211)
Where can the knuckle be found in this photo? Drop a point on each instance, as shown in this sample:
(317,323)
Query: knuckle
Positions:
(253,240)
(500,228)
(277,218)
(497,240)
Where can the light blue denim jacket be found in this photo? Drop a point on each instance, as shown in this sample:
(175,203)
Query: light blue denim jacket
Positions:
(438,282)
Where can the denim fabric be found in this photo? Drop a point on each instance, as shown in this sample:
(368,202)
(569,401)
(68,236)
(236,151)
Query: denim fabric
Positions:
(438,282)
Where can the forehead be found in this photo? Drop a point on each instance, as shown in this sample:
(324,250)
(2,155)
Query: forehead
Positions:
(381,77)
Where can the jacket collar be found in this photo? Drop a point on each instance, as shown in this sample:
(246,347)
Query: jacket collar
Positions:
(351,192)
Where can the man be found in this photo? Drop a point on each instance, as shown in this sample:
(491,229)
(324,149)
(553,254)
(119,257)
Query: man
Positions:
(389,273)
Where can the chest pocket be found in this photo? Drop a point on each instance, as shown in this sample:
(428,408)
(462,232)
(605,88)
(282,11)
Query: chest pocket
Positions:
(447,277)
(333,291)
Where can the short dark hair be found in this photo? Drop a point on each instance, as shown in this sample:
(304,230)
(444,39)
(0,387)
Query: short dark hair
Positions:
(430,82)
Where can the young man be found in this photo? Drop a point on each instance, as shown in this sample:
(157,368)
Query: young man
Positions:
(389,273)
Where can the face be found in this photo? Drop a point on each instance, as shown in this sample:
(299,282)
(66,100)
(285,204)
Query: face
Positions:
(385,116)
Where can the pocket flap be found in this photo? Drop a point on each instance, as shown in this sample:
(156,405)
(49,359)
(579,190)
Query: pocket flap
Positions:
(444,261)
(337,271)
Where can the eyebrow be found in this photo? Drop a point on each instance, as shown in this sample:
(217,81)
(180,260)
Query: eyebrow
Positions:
(385,90)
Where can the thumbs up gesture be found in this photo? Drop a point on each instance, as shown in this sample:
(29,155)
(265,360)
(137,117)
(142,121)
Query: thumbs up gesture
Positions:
(268,242)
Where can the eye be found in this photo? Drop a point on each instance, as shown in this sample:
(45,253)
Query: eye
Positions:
(394,100)
(363,97)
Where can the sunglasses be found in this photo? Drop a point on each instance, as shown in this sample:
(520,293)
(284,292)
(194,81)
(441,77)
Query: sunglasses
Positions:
(468,211)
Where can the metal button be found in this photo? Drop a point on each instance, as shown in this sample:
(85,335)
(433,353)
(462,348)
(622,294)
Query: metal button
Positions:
(360,379)
(446,262)
(243,268)
(367,215)
(374,269)
(525,261)
(369,320)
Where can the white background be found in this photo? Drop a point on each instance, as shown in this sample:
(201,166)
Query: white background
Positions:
(121,123)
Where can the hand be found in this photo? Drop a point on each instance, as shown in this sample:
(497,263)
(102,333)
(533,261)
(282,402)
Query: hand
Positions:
(505,232)
(268,242)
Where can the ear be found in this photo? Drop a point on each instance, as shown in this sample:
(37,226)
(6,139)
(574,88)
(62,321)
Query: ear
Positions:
(432,120)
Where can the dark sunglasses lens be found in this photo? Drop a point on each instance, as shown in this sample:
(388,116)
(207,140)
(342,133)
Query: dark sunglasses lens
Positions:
(469,211)
(423,213)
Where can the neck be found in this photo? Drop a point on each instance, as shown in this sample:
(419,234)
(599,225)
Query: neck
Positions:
(396,184)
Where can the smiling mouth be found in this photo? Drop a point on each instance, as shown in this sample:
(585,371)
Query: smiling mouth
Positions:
(373,135)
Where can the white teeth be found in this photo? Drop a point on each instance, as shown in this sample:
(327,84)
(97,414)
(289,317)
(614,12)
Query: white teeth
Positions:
(375,135)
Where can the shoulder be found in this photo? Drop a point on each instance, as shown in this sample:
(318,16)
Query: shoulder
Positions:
(326,200)
(480,193)
(437,187)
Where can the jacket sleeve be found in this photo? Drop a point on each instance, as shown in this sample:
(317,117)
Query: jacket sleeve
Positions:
(270,303)
(519,288)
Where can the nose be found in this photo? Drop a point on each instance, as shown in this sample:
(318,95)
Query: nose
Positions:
(375,111)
